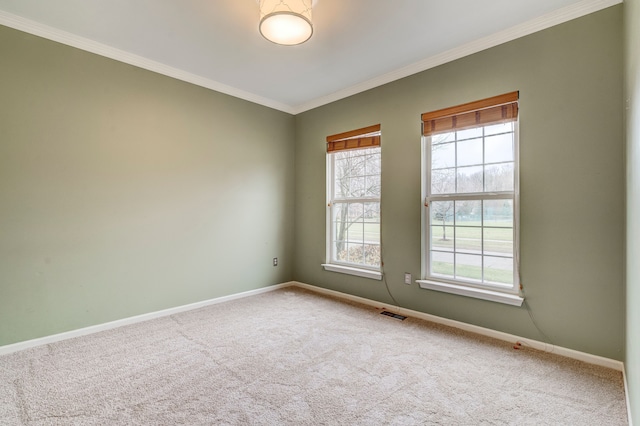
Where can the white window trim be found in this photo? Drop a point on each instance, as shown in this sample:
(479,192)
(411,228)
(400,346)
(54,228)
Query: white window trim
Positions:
(364,273)
(349,269)
(510,296)
(478,293)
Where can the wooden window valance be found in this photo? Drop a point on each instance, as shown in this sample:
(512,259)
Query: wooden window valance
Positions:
(366,137)
(495,110)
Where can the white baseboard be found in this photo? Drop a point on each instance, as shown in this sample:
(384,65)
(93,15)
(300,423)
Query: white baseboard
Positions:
(569,353)
(546,347)
(15,347)
(626,393)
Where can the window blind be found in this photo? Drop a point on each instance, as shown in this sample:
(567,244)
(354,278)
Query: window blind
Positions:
(494,110)
(366,137)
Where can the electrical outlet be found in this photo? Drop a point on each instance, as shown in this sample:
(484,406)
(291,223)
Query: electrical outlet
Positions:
(407,278)
(275,261)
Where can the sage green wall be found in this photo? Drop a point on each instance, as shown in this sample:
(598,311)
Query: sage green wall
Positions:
(123,191)
(632,96)
(572,182)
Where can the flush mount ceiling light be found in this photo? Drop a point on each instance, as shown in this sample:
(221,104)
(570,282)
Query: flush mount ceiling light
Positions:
(286,22)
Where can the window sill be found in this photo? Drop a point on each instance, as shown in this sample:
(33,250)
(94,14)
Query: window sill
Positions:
(365,273)
(478,293)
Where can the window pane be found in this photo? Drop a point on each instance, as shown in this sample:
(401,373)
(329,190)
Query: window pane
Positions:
(442,238)
(355,252)
(371,222)
(469,179)
(468,240)
(469,267)
(498,213)
(372,186)
(341,180)
(443,156)
(470,152)
(339,216)
(498,177)
(372,254)
(356,224)
(498,241)
(474,243)
(372,165)
(498,270)
(442,264)
(344,166)
(470,133)
(340,252)
(371,233)
(468,223)
(468,212)
(355,238)
(355,212)
(340,230)
(356,186)
(442,212)
(498,148)
(339,213)
(443,137)
(498,128)
(341,155)
(357,233)
(443,181)
(372,212)
(356,162)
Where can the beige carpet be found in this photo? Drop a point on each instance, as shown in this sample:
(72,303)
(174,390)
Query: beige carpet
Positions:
(295,357)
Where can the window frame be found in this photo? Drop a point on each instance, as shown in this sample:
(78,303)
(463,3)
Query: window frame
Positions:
(497,293)
(365,271)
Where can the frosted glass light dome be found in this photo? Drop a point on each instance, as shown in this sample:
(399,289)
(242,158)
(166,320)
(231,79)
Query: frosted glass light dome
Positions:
(286,22)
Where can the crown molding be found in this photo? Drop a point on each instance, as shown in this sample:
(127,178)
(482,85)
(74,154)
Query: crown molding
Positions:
(543,22)
(559,16)
(60,36)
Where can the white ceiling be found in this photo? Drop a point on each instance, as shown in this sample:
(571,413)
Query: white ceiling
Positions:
(356,45)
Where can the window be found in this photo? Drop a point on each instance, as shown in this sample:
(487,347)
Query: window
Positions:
(353,203)
(470,187)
